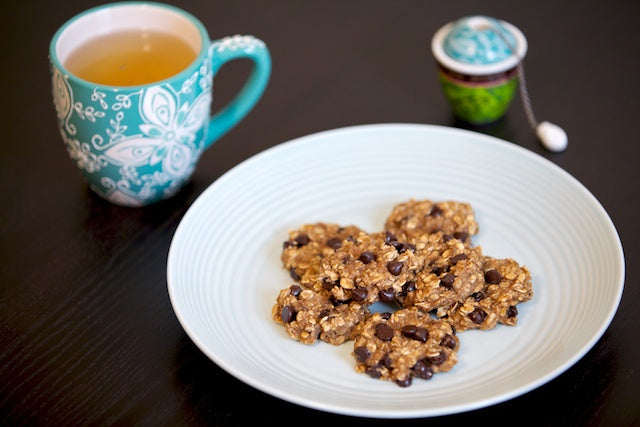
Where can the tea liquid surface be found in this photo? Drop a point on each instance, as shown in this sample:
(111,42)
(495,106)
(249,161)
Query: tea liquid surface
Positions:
(130,58)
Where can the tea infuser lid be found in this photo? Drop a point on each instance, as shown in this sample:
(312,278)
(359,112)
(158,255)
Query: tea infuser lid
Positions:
(479,45)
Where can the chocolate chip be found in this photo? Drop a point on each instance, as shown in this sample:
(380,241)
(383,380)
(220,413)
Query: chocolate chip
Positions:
(397,245)
(386,362)
(362,354)
(359,294)
(409,330)
(449,342)
(373,372)
(287,244)
(335,301)
(384,332)
(493,277)
(512,311)
(421,335)
(409,286)
(367,256)
(389,236)
(447,237)
(477,296)
(478,315)
(287,314)
(324,313)
(334,243)
(401,247)
(405,382)
(439,359)
(454,259)
(435,211)
(422,370)
(395,267)
(295,290)
(461,235)
(327,285)
(294,274)
(387,295)
(447,280)
(301,239)
(438,270)
(415,332)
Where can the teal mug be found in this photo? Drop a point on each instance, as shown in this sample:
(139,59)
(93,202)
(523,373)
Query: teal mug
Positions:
(135,133)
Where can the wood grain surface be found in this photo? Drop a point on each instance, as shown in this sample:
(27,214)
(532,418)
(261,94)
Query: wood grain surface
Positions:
(87,332)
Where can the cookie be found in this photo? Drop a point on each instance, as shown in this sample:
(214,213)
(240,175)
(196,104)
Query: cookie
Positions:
(308,315)
(419,217)
(452,271)
(404,345)
(369,268)
(306,246)
(505,285)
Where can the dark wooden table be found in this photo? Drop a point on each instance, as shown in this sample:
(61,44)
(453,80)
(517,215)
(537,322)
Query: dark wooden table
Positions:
(87,332)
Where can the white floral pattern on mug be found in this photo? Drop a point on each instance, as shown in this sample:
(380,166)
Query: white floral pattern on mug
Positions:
(168,134)
(152,137)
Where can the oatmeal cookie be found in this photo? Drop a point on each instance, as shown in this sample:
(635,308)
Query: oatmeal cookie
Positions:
(505,284)
(452,271)
(370,268)
(306,246)
(339,324)
(418,217)
(403,345)
(308,315)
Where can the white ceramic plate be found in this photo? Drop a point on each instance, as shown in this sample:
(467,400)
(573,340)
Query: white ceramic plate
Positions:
(224,268)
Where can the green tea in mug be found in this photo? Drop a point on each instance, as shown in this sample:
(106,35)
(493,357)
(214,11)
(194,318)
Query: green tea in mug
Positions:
(130,58)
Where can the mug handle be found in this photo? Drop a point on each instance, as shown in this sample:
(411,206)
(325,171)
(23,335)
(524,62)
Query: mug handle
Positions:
(227,49)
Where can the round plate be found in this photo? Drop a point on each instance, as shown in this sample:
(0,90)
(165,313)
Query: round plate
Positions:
(224,270)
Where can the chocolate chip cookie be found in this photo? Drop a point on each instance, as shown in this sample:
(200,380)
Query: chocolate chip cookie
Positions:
(419,217)
(306,246)
(404,345)
(369,268)
(505,284)
(308,315)
(452,271)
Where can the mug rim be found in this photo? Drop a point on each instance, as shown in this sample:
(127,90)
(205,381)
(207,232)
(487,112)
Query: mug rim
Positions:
(187,71)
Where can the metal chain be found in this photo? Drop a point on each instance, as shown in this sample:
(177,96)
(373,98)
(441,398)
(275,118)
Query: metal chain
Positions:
(524,93)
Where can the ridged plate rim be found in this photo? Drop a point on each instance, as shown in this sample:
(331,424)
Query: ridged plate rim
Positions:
(355,174)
